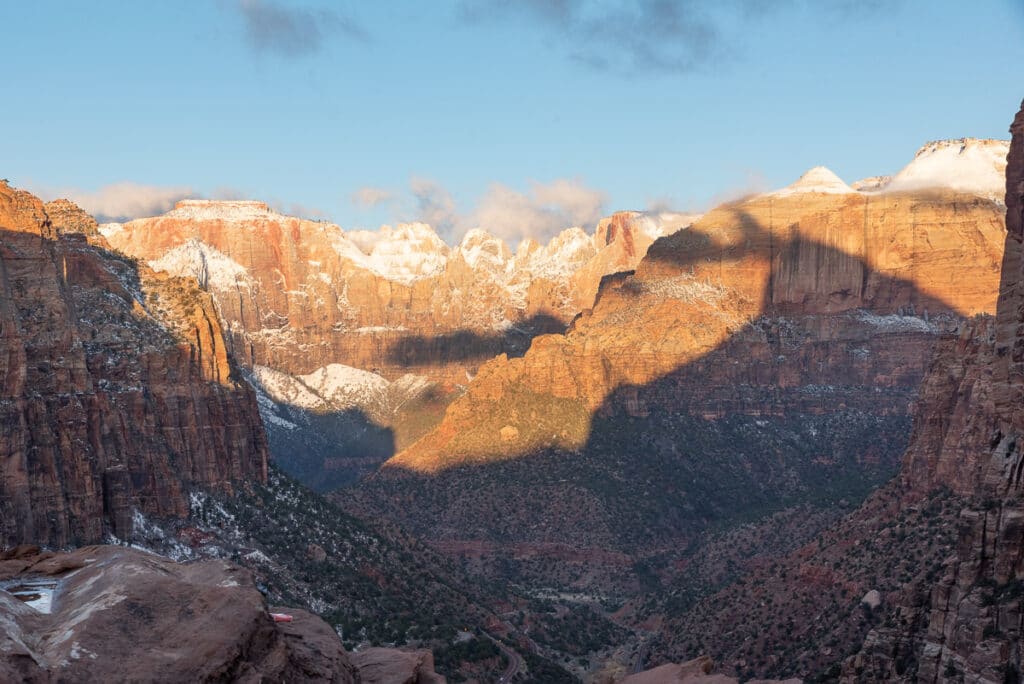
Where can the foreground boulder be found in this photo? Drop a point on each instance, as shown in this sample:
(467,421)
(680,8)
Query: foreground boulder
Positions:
(106,612)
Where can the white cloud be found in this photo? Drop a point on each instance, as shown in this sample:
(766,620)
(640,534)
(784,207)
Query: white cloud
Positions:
(121,201)
(435,205)
(370,197)
(541,213)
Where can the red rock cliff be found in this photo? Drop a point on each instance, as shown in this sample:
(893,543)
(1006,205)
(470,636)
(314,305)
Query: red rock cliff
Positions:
(747,311)
(116,390)
(297,295)
(969,438)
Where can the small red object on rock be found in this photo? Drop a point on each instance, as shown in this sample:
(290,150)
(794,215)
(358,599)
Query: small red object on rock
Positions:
(281,617)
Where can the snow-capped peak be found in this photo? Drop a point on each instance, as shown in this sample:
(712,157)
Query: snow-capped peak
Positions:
(403,253)
(968,165)
(819,179)
(478,247)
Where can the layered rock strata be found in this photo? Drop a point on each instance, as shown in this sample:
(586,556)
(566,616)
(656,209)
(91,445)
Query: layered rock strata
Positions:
(840,292)
(298,295)
(117,392)
(968,439)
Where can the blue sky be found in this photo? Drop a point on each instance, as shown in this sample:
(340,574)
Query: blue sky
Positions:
(542,111)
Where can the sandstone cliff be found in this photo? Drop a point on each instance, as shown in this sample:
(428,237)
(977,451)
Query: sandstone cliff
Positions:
(398,315)
(116,389)
(816,289)
(769,356)
(298,295)
(923,581)
(968,439)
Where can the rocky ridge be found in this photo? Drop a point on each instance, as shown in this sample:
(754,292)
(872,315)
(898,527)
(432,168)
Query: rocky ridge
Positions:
(117,392)
(300,298)
(968,440)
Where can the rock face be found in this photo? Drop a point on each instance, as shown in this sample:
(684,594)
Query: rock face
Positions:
(817,289)
(401,317)
(926,576)
(299,295)
(968,439)
(773,348)
(388,666)
(115,613)
(116,388)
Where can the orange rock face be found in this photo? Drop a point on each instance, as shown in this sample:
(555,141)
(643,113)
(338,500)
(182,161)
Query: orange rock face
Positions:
(116,389)
(801,290)
(297,295)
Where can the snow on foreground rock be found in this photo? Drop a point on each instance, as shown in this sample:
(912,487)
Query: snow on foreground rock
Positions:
(126,615)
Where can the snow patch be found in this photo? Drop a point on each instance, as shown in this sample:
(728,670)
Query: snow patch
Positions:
(109,230)
(404,253)
(895,323)
(685,288)
(212,268)
(221,210)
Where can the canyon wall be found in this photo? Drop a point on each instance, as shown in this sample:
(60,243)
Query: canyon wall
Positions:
(768,356)
(806,302)
(298,295)
(923,582)
(968,440)
(117,392)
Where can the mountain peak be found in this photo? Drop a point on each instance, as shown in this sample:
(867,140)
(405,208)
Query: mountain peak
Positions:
(819,179)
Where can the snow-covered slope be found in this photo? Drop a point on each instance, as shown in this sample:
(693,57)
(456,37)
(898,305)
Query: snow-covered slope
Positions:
(403,253)
(212,268)
(968,165)
(331,388)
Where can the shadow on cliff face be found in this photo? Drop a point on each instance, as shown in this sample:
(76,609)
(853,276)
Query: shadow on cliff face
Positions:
(326,451)
(793,408)
(470,345)
(113,398)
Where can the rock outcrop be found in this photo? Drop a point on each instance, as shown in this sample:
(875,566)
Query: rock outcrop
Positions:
(388,666)
(117,392)
(106,613)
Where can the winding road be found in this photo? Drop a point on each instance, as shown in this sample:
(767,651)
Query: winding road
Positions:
(515,661)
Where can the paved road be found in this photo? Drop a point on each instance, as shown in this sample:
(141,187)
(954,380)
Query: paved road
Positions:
(641,658)
(515,661)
